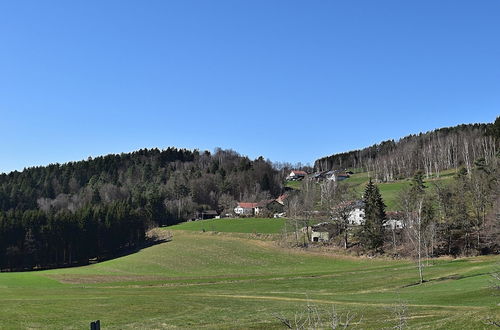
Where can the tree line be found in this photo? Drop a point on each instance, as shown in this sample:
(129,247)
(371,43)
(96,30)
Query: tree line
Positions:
(69,213)
(431,152)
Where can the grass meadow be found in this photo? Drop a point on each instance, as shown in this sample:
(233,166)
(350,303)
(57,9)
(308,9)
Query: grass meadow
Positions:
(222,281)
(234,225)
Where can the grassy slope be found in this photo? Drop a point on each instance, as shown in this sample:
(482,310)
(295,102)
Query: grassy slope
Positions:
(390,190)
(294,184)
(242,225)
(218,281)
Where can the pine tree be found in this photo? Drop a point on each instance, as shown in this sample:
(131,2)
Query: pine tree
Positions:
(372,233)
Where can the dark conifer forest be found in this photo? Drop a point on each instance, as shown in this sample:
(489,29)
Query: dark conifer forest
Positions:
(61,215)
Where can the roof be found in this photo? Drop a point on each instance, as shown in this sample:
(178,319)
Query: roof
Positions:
(265,202)
(299,172)
(356,204)
(248,205)
(210,212)
(394,215)
(281,198)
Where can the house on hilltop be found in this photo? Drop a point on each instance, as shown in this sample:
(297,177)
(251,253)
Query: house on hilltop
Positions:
(296,175)
(331,175)
(337,177)
(247,209)
(266,207)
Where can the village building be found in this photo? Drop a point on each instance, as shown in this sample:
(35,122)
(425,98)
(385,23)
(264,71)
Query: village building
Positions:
(296,175)
(207,214)
(332,175)
(269,206)
(322,232)
(357,212)
(247,209)
(337,177)
(394,220)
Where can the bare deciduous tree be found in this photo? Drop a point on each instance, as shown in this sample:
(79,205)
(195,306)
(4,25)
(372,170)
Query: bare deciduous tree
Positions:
(312,317)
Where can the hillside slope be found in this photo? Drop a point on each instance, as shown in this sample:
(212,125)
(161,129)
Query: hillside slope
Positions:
(219,281)
(431,152)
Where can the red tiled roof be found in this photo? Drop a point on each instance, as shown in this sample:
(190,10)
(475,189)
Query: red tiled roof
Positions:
(299,172)
(247,205)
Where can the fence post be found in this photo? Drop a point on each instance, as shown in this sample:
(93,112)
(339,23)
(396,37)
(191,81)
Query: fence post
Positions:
(95,325)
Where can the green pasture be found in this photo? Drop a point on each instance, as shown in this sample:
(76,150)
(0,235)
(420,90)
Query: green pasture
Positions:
(219,281)
(234,225)
(391,190)
(294,184)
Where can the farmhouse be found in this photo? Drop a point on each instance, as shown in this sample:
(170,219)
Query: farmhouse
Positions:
(332,175)
(247,209)
(394,220)
(296,175)
(337,177)
(356,213)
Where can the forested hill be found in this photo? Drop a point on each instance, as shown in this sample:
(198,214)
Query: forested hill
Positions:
(182,181)
(430,152)
(61,214)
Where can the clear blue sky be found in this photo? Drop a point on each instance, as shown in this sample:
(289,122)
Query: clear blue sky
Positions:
(288,80)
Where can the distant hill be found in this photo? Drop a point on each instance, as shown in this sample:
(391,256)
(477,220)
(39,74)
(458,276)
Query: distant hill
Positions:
(431,152)
(67,214)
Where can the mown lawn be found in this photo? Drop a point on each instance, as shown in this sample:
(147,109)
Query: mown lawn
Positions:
(209,280)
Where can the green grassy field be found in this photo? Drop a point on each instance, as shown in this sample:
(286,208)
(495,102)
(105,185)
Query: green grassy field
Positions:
(390,190)
(238,225)
(294,184)
(208,280)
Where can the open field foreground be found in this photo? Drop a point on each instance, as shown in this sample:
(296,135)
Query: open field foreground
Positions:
(207,280)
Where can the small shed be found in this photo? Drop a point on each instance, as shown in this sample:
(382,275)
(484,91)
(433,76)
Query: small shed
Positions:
(322,232)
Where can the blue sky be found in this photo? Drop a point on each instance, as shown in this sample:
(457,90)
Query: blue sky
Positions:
(288,80)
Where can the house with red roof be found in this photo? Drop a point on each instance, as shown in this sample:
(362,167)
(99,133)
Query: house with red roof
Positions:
(296,175)
(247,208)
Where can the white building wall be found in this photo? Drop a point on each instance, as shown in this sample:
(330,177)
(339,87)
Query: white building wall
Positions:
(357,217)
(320,236)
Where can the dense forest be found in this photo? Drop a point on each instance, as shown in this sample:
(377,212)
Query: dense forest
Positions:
(430,152)
(64,214)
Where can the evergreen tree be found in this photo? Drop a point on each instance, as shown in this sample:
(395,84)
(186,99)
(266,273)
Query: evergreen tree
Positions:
(372,233)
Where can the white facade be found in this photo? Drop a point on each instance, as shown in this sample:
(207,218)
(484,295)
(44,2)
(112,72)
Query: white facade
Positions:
(243,211)
(357,216)
(247,210)
(295,175)
(320,236)
(394,224)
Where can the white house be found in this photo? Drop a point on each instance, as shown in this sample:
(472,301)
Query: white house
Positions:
(394,220)
(357,212)
(247,209)
(336,177)
(357,216)
(296,175)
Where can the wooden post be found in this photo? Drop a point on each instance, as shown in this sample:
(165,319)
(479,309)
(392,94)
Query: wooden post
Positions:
(95,325)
